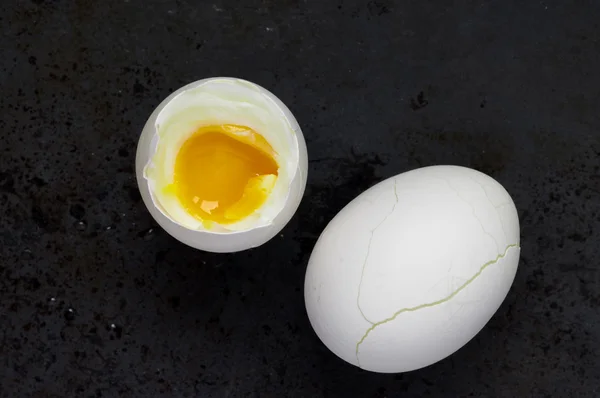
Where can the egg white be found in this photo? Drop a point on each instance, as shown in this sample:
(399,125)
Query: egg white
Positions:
(217,102)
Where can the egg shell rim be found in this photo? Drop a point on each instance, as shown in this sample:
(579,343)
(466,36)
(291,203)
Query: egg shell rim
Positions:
(177,230)
(153,142)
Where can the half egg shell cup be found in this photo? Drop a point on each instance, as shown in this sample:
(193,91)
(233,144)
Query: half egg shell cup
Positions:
(219,241)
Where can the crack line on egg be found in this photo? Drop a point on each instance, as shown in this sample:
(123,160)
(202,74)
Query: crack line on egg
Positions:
(435,303)
(483,186)
(368,252)
(473,211)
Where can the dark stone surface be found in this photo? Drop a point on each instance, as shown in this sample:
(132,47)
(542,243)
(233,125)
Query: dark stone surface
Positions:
(96,301)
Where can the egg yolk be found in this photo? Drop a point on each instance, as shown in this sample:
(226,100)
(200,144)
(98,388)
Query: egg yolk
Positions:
(224,173)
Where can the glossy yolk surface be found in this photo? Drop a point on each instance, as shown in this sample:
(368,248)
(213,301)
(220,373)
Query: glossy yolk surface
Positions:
(224,173)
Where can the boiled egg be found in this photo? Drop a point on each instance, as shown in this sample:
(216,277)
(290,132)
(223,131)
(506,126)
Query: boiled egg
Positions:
(221,165)
(413,268)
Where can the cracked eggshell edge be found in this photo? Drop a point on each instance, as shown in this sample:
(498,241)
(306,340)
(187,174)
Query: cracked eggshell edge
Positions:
(222,242)
(464,329)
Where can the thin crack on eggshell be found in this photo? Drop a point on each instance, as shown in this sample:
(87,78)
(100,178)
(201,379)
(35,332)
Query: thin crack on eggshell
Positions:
(473,212)
(482,187)
(435,303)
(369,251)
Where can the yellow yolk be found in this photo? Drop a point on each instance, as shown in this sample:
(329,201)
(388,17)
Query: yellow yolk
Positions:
(224,173)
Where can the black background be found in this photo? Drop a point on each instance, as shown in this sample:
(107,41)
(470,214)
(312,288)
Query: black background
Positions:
(97,301)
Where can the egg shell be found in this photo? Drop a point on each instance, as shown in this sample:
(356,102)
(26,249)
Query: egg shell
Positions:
(413,268)
(222,242)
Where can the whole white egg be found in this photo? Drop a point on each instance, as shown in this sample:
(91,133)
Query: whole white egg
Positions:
(221,165)
(413,268)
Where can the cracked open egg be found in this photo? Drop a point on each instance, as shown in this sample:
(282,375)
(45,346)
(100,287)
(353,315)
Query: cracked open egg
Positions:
(413,268)
(221,165)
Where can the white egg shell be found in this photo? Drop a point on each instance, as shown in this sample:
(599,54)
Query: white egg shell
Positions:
(413,268)
(232,241)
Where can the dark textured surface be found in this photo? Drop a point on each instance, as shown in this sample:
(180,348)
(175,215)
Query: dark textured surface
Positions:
(96,301)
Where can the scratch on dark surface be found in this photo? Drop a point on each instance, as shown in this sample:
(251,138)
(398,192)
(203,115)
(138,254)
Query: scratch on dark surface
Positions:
(419,102)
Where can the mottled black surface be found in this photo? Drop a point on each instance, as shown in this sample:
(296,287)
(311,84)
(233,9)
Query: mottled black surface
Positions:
(97,301)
